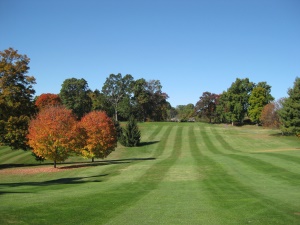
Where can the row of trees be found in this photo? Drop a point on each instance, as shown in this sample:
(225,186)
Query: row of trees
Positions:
(55,134)
(120,97)
(247,101)
(242,99)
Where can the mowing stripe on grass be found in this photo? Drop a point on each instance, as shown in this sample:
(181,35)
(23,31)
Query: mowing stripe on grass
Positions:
(272,170)
(148,182)
(9,155)
(4,150)
(209,144)
(289,158)
(19,158)
(222,141)
(155,133)
(251,205)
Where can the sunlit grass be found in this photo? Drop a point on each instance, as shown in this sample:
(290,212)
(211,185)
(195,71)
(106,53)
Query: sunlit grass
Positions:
(183,173)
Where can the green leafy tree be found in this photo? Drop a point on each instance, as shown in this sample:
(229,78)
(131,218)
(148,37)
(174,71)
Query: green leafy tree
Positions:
(257,101)
(16,98)
(141,99)
(237,98)
(75,96)
(223,108)
(100,103)
(116,88)
(290,111)
(269,98)
(185,112)
(149,102)
(158,105)
(131,135)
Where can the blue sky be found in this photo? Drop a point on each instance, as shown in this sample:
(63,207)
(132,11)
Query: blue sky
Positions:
(191,46)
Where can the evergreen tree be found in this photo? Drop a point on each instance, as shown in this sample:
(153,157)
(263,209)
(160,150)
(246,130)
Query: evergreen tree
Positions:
(290,112)
(131,134)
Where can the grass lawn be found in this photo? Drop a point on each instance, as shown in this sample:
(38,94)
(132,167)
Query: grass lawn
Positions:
(183,173)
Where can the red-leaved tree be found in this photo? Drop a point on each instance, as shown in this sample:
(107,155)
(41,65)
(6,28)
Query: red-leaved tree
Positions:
(47,100)
(53,134)
(101,135)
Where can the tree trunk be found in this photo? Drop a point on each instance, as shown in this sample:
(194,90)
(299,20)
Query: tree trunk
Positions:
(92,159)
(54,163)
(116,114)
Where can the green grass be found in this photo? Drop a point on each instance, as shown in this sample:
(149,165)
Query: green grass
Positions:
(183,173)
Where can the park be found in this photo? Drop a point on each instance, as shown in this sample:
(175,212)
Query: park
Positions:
(181,173)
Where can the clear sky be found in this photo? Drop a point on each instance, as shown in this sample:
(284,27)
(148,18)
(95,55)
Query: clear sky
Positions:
(191,46)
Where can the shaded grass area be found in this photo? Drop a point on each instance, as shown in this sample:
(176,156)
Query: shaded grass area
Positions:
(183,173)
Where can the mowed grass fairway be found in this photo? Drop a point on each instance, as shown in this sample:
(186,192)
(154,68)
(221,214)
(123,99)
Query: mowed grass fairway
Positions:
(184,173)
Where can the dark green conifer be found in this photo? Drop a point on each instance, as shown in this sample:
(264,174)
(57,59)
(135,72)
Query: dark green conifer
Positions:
(290,112)
(131,134)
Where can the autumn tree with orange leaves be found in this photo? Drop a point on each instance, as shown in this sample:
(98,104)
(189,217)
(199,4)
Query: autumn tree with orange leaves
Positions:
(269,115)
(101,135)
(53,134)
(47,100)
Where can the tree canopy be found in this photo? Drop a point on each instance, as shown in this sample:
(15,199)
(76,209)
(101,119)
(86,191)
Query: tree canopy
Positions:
(116,88)
(74,94)
(101,136)
(52,134)
(16,98)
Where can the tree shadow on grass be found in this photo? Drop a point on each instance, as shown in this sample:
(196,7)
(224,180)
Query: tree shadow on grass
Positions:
(13,192)
(72,165)
(67,180)
(147,143)
(102,162)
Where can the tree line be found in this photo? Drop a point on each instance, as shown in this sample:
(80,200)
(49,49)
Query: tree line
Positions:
(122,97)
(247,102)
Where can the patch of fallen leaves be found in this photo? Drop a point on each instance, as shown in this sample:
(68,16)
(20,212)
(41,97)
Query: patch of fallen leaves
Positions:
(31,170)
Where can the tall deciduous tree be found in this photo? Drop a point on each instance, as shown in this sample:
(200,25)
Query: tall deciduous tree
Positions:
(16,98)
(101,136)
(237,99)
(257,101)
(207,105)
(158,105)
(75,95)
(141,99)
(53,134)
(290,112)
(116,88)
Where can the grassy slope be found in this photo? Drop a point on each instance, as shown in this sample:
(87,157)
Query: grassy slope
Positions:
(185,173)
